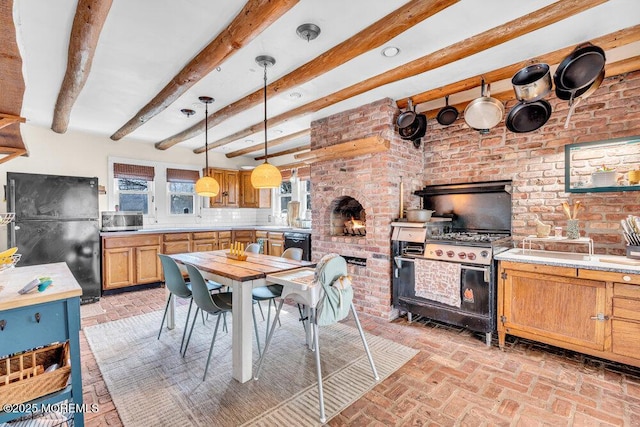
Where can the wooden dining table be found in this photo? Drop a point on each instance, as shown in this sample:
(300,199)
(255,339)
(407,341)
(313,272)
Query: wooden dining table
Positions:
(241,277)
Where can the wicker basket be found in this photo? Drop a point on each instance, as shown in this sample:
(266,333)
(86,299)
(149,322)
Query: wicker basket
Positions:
(22,377)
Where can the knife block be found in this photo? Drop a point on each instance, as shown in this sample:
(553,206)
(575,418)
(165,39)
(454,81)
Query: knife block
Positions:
(633,252)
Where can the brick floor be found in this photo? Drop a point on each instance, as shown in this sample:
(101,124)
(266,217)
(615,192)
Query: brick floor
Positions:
(454,380)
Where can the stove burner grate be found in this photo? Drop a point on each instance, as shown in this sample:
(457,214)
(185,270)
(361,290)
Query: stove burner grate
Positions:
(470,237)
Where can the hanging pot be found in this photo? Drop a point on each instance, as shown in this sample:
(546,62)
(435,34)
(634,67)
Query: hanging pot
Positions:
(484,113)
(406,118)
(415,130)
(575,98)
(532,83)
(528,116)
(580,68)
(448,114)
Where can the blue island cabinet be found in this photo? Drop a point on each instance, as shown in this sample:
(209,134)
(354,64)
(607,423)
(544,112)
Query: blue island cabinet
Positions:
(37,319)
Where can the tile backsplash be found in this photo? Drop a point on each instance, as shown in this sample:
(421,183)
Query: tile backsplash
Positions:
(220,217)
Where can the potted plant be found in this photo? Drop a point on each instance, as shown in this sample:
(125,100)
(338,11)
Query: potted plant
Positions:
(603,177)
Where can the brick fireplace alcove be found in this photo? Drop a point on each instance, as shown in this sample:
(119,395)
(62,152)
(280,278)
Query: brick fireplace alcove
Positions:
(372,181)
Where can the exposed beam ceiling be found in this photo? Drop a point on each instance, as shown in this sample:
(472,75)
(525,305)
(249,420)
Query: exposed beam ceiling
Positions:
(273,143)
(285,152)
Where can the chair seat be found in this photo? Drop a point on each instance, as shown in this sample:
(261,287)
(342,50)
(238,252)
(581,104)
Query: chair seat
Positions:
(211,285)
(223,300)
(264,293)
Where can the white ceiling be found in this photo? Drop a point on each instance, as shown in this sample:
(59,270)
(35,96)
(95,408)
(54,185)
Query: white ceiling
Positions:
(144,43)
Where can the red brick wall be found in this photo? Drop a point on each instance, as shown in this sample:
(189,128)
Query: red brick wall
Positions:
(535,161)
(373,180)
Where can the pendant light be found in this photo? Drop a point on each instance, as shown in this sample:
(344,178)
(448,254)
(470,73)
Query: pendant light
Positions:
(206,186)
(266,175)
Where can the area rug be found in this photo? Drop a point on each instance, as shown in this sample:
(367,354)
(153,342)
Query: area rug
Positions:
(151,384)
(90,310)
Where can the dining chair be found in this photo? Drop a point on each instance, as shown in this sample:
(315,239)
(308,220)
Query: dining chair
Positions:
(174,280)
(330,268)
(215,304)
(271,292)
(253,248)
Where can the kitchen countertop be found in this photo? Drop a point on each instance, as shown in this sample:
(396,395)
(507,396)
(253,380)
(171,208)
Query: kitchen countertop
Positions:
(275,228)
(613,263)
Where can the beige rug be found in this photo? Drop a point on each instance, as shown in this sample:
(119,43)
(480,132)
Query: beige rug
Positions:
(150,383)
(90,310)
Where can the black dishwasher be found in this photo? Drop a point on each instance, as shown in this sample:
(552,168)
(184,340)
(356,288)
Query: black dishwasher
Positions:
(299,240)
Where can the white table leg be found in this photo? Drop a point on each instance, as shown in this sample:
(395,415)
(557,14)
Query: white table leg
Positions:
(242,331)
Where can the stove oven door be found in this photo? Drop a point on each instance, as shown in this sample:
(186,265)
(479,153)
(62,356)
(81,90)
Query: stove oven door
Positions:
(475,290)
(403,278)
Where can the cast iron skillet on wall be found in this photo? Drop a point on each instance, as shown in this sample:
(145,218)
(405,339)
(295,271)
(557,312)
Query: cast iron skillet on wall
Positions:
(416,130)
(448,114)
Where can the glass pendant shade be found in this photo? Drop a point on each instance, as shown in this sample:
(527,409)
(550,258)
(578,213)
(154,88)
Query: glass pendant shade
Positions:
(266,176)
(207,187)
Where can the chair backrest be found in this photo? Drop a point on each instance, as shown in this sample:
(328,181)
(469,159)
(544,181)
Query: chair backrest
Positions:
(201,294)
(330,268)
(292,253)
(254,248)
(173,277)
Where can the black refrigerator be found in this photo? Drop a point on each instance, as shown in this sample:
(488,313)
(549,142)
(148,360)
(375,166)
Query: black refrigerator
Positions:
(57,221)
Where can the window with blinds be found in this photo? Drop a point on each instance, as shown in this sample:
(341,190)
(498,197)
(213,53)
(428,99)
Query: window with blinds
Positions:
(133,187)
(181,191)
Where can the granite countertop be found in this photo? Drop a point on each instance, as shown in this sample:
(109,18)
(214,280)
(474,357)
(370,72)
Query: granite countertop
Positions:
(276,228)
(618,264)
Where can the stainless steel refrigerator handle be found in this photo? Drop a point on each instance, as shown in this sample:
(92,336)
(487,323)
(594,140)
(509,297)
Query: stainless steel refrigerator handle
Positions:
(399,259)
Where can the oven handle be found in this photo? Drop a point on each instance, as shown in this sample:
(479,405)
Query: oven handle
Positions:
(399,259)
(486,270)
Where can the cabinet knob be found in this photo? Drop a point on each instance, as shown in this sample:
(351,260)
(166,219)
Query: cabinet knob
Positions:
(3,323)
(600,317)
(626,278)
(37,317)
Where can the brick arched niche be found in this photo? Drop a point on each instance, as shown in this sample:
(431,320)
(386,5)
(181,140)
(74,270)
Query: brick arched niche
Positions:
(347,217)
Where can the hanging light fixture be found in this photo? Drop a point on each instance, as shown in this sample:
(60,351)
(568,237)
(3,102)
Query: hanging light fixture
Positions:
(266,175)
(207,186)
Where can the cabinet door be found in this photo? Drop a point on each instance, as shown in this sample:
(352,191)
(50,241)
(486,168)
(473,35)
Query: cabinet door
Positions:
(564,309)
(118,268)
(224,243)
(232,189)
(248,194)
(204,245)
(217,201)
(148,266)
(178,247)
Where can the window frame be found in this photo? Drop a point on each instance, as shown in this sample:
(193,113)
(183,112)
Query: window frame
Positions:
(170,193)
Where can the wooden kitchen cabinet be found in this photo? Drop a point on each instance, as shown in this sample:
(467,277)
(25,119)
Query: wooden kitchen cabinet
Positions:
(224,239)
(275,243)
(176,243)
(131,260)
(251,197)
(229,188)
(243,236)
(588,311)
(203,241)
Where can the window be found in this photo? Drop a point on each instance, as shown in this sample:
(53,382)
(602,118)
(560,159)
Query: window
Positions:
(306,194)
(284,195)
(134,187)
(181,191)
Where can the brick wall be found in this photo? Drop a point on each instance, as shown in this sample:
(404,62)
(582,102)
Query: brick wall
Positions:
(535,161)
(373,180)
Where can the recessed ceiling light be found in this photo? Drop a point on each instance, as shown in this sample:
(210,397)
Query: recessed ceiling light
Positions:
(249,141)
(247,167)
(390,51)
(295,95)
(277,131)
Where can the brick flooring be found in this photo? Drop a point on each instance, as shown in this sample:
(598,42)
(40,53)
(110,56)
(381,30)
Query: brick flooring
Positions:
(455,380)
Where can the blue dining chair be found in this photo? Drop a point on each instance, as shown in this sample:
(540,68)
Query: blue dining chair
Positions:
(216,304)
(179,288)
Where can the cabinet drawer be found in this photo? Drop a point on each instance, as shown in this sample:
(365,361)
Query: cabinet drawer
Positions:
(276,236)
(128,242)
(224,234)
(261,234)
(176,247)
(625,338)
(610,276)
(243,233)
(624,290)
(170,237)
(23,330)
(205,235)
(626,309)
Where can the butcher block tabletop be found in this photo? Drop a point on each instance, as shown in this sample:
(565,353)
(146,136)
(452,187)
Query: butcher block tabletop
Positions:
(256,266)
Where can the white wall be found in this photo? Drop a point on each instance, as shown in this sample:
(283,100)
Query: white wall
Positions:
(84,154)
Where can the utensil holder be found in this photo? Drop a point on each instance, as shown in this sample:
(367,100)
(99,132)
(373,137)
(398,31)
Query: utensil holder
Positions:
(573,232)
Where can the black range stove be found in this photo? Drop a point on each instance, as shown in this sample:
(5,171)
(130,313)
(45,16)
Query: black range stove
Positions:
(479,228)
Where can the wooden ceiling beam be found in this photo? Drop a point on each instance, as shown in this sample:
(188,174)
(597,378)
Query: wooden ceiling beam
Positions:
(9,119)
(10,153)
(357,147)
(273,143)
(285,152)
(606,42)
(253,19)
(375,35)
(541,18)
(85,32)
